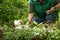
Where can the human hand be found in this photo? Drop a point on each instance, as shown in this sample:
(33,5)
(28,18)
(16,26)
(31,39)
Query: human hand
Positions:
(30,17)
(52,9)
(48,12)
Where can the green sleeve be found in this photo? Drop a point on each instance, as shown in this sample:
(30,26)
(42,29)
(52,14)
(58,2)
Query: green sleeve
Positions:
(57,1)
(31,6)
(31,1)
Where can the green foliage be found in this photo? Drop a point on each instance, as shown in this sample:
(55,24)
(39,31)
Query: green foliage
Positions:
(1,1)
(31,34)
(13,9)
(18,9)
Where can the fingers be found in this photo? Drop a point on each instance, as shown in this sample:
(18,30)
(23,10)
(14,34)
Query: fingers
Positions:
(48,12)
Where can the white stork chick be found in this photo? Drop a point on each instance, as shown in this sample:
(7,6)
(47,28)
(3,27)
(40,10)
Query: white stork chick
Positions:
(19,24)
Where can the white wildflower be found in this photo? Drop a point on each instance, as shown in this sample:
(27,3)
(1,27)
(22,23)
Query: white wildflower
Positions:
(35,22)
(50,30)
(34,28)
(36,33)
(41,23)
(44,28)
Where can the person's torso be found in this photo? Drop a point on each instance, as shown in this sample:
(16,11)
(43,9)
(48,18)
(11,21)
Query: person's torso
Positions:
(40,8)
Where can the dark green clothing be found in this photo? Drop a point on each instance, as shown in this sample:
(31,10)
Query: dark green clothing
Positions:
(40,8)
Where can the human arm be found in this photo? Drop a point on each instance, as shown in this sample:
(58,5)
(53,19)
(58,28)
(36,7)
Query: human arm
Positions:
(31,13)
(55,7)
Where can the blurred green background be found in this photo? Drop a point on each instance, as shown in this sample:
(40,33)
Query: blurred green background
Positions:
(11,10)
